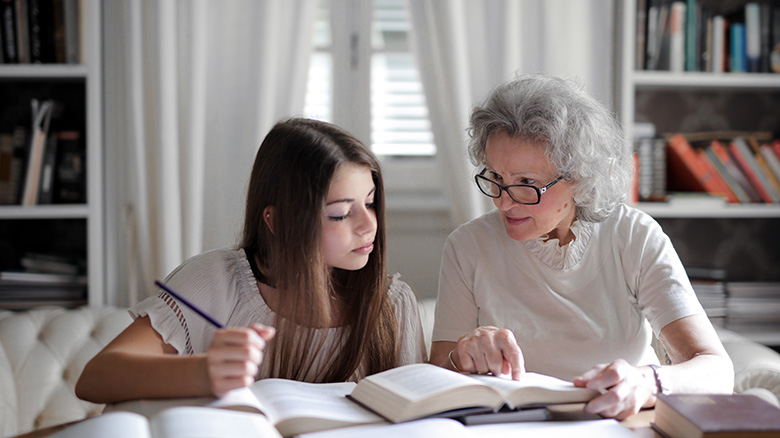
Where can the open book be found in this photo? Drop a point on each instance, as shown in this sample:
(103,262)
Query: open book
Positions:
(178,422)
(420,390)
(290,406)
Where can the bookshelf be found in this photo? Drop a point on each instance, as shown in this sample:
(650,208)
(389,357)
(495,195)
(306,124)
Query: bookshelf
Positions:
(739,238)
(70,225)
(653,88)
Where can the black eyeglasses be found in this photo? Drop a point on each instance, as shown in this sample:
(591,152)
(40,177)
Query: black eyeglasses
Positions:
(520,193)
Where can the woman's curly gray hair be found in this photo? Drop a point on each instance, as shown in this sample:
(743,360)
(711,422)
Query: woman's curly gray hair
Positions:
(582,139)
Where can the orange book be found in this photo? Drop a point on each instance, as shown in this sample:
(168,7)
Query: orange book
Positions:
(723,187)
(687,172)
(724,156)
(748,164)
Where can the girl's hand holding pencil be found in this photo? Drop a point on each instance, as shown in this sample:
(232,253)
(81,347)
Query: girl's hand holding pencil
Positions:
(235,354)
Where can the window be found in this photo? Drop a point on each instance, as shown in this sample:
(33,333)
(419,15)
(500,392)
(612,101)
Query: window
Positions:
(373,90)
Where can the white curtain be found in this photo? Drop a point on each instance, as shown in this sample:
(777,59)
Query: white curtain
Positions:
(191,88)
(466,47)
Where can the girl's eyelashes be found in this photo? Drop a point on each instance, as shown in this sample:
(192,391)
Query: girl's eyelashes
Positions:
(338,218)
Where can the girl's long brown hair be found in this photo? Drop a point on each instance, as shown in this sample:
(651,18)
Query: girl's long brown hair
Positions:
(292,172)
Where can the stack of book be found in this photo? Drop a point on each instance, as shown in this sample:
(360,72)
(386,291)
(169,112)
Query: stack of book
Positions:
(46,279)
(710,288)
(753,308)
(707,36)
(735,166)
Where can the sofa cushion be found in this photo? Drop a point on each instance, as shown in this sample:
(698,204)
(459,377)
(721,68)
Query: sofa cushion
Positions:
(42,354)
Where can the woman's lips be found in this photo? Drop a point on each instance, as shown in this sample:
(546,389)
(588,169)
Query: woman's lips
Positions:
(515,221)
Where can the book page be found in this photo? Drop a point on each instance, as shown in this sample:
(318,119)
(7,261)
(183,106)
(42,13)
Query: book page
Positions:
(419,381)
(284,400)
(189,422)
(114,424)
(436,427)
(536,388)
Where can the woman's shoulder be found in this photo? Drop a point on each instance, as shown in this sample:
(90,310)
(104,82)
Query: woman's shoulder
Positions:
(212,266)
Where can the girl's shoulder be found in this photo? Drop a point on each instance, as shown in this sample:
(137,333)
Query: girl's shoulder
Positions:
(400,293)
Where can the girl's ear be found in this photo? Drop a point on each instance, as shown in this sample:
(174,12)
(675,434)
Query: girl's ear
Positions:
(268,217)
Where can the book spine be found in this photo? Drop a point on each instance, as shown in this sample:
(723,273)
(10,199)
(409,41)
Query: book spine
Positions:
(691,35)
(718,186)
(735,187)
(736,172)
(750,167)
(752,37)
(737,57)
(22,32)
(641,34)
(718,45)
(8,32)
(677,37)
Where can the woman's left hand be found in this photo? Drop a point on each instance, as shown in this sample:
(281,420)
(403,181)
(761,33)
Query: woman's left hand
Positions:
(625,389)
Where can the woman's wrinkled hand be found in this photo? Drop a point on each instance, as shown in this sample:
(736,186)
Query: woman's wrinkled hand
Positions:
(235,355)
(489,350)
(625,389)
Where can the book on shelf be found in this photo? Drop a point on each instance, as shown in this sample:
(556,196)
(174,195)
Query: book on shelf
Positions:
(735,187)
(771,159)
(737,55)
(724,156)
(716,415)
(177,422)
(747,162)
(41,117)
(290,406)
(419,390)
(677,33)
(6,162)
(764,165)
(752,37)
(687,171)
(774,60)
(40,31)
(721,186)
(70,184)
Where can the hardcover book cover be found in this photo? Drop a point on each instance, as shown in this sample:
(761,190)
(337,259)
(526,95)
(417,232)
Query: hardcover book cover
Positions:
(721,415)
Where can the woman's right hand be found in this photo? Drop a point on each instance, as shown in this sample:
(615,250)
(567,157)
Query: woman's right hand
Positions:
(489,350)
(235,355)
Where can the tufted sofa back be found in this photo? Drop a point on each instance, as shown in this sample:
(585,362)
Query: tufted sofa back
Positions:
(42,354)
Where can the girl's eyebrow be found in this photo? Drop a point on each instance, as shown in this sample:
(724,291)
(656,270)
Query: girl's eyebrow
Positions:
(336,201)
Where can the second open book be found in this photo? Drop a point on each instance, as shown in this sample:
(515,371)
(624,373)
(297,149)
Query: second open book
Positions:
(420,390)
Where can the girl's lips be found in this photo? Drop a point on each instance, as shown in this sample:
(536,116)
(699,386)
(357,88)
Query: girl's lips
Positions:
(365,249)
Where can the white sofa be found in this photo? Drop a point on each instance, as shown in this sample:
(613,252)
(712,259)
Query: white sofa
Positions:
(42,354)
(43,351)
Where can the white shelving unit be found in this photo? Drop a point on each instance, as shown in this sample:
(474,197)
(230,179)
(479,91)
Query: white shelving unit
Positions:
(87,73)
(631,81)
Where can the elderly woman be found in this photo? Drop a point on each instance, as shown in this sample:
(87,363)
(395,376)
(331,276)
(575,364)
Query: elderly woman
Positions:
(564,278)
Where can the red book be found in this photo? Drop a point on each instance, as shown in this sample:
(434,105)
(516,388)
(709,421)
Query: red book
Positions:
(687,172)
(717,180)
(724,156)
(747,163)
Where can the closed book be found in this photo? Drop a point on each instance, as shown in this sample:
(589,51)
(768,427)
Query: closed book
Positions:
(735,186)
(723,187)
(725,157)
(677,37)
(716,415)
(718,54)
(8,33)
(752,37)
(737,55)
(686,170)
(748,164)
(764,165)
